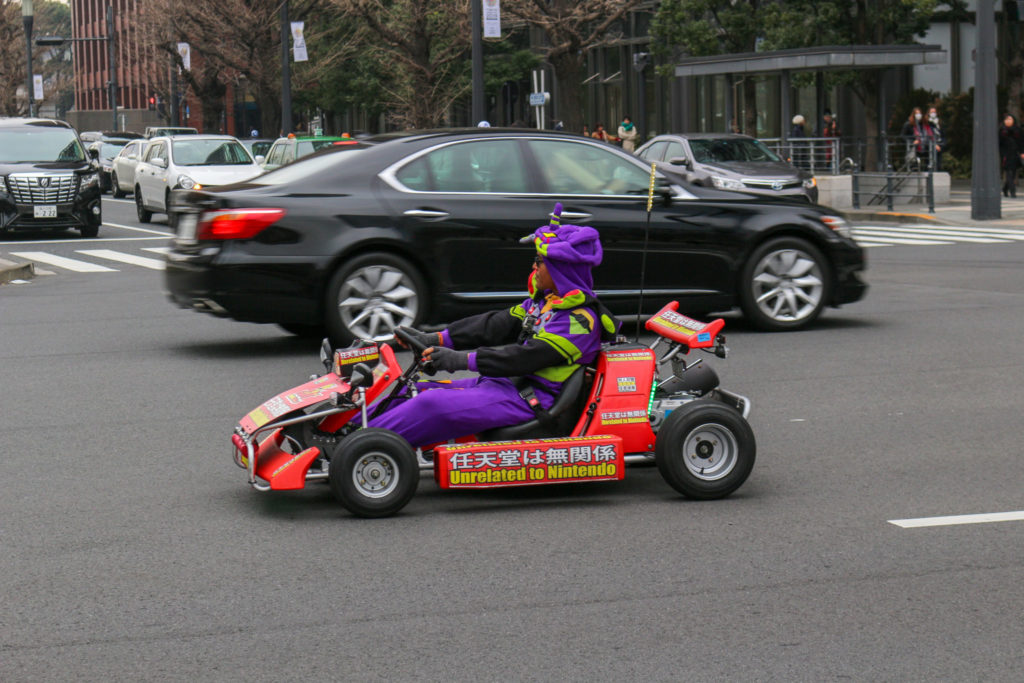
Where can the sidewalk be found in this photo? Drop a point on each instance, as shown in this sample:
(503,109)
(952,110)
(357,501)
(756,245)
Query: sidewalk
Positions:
(956,212)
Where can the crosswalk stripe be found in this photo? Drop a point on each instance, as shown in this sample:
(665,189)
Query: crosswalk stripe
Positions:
(958,237)
(941,228)
(63,262)
(949,231)
(122,257)
(901,240)
(157,250)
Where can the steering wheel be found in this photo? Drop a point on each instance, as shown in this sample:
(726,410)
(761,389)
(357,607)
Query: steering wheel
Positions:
(417,347)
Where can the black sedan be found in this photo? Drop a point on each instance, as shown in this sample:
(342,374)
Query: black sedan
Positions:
(424,227)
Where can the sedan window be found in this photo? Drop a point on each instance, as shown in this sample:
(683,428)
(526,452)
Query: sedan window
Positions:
(478,166)
(674,151)
(655,151)
(214,152)
(582,168)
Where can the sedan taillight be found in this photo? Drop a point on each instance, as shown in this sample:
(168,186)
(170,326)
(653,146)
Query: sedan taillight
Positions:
(236,224)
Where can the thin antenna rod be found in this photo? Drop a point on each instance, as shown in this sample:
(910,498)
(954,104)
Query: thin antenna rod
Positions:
(643,258)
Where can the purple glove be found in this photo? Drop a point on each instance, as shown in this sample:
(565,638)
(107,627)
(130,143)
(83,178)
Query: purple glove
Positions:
(449,360)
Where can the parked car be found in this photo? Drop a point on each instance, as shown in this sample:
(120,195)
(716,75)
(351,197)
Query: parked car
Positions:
(108,146)
(47,180)
(122,168)
(730,162)
(258,147)
(186,162)
(160,131)
(423,227)
(288,149)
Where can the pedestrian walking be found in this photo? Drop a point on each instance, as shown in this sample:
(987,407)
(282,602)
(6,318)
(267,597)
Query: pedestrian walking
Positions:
(627,133)
(940,138)
(1011,152)
(586,131)
(919,138)
(830,129)
(797,131)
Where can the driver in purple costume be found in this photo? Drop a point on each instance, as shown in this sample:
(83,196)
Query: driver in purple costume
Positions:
(523,352)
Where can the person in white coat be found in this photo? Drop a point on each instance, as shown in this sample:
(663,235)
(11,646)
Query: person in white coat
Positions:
(627,133)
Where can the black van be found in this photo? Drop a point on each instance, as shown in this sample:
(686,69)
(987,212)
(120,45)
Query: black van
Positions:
(47,180)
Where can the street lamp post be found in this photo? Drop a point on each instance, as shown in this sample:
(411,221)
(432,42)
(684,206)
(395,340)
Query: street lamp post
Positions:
(27,16)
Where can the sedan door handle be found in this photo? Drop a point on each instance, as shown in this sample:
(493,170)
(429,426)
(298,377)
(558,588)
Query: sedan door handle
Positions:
(575,215)
(426,213)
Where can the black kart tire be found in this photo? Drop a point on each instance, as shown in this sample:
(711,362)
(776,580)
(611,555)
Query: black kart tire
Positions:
(144,214)
(705,450)
(370,295)
(115,187)
(785,284)
(374,473)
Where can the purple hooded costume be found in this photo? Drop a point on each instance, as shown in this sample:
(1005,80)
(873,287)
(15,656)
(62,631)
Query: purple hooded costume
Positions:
(542,340)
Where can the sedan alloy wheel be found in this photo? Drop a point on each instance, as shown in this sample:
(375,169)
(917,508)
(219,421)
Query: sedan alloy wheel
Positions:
(372,296)
(785,285)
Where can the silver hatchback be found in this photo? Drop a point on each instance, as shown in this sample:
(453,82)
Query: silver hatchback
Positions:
(730,162)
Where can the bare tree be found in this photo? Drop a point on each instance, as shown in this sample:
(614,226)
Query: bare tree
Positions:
(422,46)
(571,27)
(51,18)
(231,40)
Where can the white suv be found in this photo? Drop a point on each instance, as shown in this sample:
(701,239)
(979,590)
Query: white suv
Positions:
(188,162)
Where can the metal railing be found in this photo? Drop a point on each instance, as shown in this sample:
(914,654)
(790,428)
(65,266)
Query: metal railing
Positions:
(904,176)
(817,155)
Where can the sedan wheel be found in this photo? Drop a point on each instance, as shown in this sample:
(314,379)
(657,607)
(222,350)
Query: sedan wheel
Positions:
(785,284)
(371,296)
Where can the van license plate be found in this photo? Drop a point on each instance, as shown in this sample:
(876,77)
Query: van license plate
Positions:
(45,211)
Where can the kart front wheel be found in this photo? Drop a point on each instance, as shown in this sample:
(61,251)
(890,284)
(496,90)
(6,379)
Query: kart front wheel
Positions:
(705,450)
(374,473)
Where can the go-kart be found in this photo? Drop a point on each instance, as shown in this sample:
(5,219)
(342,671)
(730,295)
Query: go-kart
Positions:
(615,412)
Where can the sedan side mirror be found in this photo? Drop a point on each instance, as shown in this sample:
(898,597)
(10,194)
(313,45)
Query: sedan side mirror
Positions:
(94,153)
(260,159)
(681,161)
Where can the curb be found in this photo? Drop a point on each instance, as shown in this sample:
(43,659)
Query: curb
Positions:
(15,271)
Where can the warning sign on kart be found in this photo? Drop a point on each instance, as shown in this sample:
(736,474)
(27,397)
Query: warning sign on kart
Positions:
(521,463)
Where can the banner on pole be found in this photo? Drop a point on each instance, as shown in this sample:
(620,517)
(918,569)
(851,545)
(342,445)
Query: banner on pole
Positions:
(37,85)
(492,18)
(299,41)
(186,56)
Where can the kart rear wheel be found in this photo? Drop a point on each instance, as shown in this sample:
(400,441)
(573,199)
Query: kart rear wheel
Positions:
(705,450)
(374,473)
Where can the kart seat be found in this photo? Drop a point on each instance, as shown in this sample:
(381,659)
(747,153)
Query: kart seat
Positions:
(563,415)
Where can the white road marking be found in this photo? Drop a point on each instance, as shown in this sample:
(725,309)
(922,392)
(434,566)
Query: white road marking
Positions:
(900,240)
(958,236)
(62,262)
(137,229)
(157,250)
(982,518)
(122,257)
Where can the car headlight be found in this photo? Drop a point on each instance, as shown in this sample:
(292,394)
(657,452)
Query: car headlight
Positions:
(723,183)
(90,180)
(839,225)
(186,183)
(810,182)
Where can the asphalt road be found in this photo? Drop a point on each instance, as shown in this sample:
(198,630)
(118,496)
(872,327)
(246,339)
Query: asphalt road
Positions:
(132,549)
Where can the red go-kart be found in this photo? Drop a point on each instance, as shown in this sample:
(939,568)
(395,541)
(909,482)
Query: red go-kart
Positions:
(615,412)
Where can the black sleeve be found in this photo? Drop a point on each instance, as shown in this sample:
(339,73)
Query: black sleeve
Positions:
(512,360)
(493,328)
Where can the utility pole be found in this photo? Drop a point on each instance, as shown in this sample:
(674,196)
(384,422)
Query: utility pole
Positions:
(112,64)
(286,76)
(27,18)
(985,201)
(476,7)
